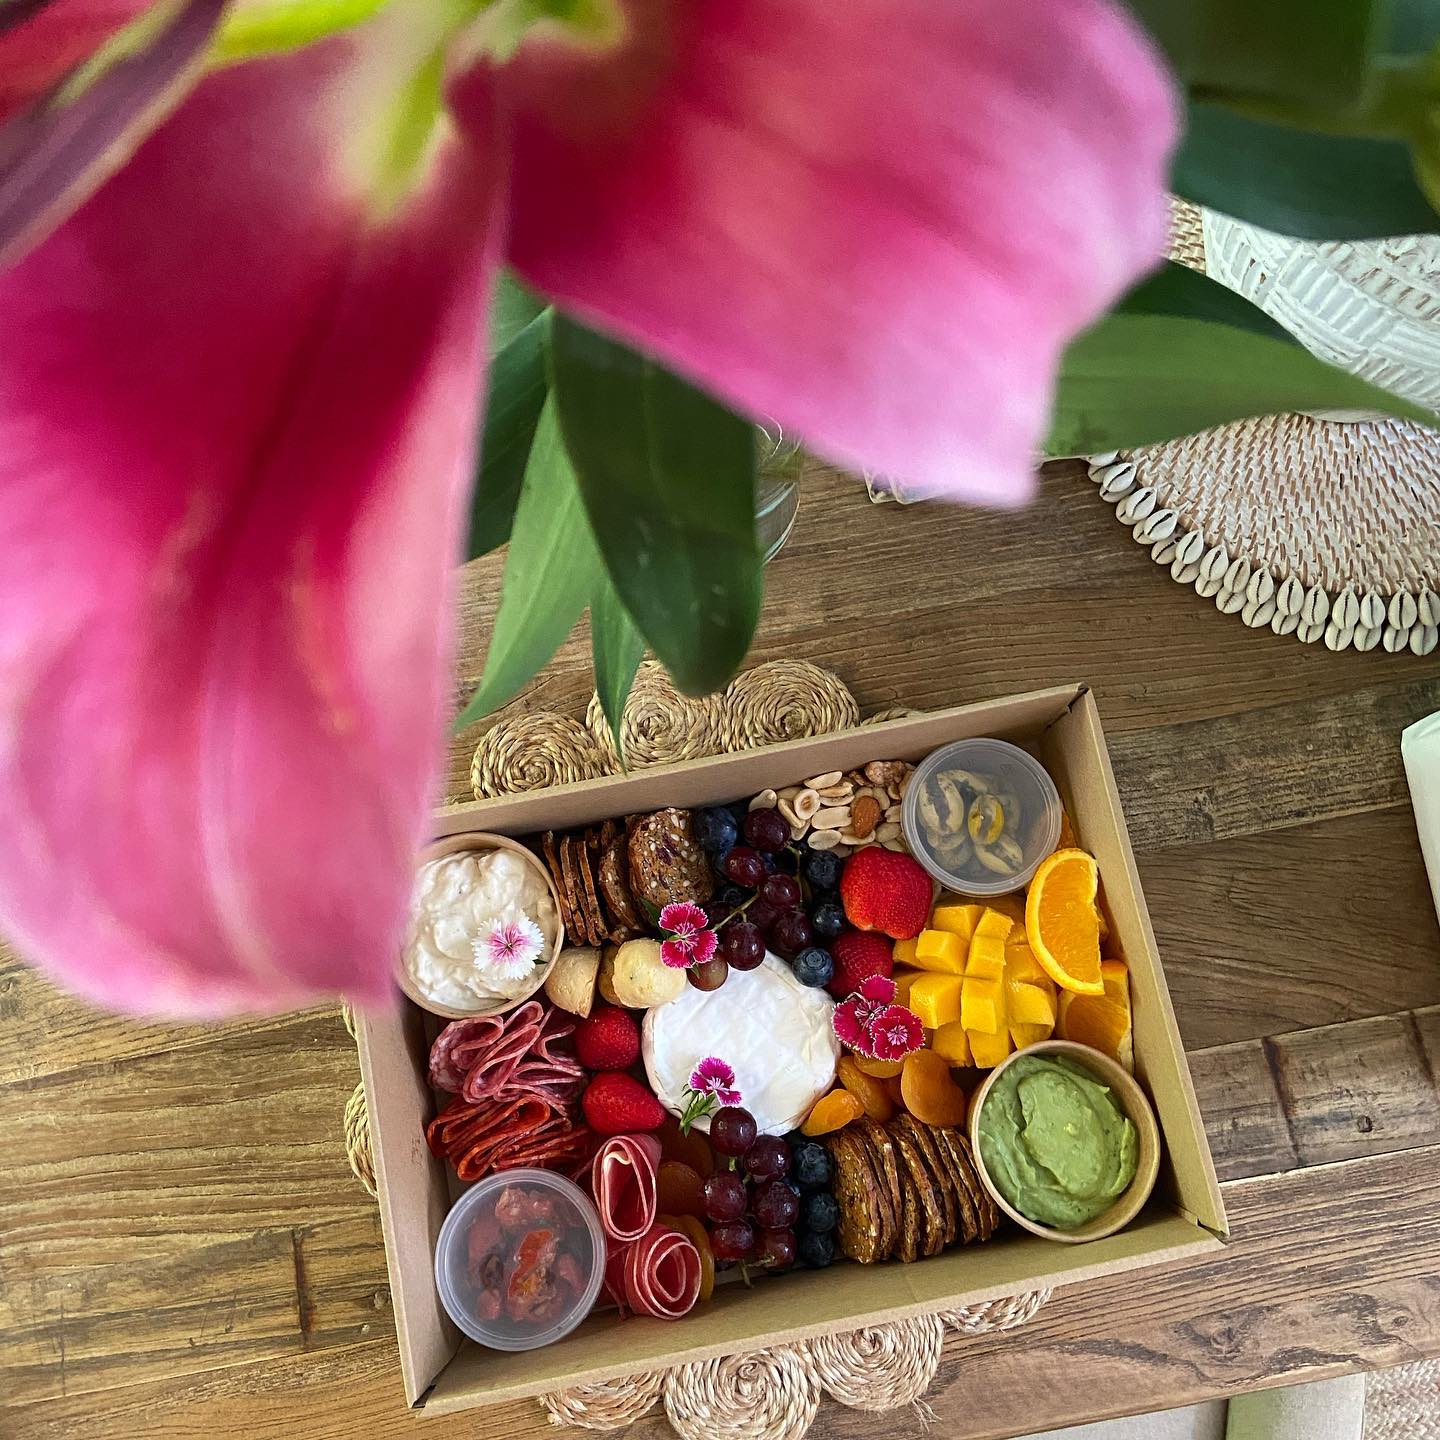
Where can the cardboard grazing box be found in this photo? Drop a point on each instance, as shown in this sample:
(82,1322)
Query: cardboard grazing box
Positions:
(445,1372)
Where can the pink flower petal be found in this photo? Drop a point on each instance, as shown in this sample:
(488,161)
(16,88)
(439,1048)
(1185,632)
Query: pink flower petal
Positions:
(704,945)
(878,987)
(878,222)
(677,954)
(237,396)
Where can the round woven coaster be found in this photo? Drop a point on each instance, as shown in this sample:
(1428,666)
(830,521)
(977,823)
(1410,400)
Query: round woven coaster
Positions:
(1003,1314)
(531,750)
(659,724)
(357,1139)
(764,1395)
(785,700)
(881,1367)
(608,1405)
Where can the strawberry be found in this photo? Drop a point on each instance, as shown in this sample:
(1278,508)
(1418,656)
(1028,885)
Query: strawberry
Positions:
(857,957)
(608,1040)
(886,891)
(618,1104)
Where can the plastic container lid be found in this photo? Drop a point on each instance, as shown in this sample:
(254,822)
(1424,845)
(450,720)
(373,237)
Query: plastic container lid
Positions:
(482,1244)
(976,801)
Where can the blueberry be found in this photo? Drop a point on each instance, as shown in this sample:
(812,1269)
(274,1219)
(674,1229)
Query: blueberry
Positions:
(768,860)
(716,830)
(816,1251)
(822,869)
(811,1166)
(827,920)
(731,895)
(820,1213)
(737,811)
(813,966)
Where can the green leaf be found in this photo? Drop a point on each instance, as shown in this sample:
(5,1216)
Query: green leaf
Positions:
(1182,353)
(668,479)
(517,389)
(618,648)
(550,573)
(1313,51)
(1316,187)
(511,310)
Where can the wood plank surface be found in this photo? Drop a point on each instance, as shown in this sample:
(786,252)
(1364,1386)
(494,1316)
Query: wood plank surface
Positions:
(183,1249)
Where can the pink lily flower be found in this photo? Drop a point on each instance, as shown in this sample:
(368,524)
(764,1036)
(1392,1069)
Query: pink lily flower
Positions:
(240,385)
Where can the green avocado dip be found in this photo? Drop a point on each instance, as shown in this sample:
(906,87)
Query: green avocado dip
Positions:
(1056,1142)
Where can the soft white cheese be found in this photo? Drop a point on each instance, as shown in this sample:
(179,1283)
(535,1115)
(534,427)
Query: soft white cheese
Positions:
(454,901)
(775,1032)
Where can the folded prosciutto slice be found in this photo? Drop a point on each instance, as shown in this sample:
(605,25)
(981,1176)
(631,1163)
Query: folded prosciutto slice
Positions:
(624,1182)
(662,1274)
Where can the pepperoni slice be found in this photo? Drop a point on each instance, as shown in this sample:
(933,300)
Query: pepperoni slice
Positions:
(624,1184)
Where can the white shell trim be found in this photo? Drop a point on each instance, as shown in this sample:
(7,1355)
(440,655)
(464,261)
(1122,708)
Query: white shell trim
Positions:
(1239,586)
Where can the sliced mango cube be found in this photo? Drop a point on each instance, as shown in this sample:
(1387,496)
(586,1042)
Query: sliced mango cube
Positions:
(904,952)
(992,923)
(1021,965)
(950,1041)
(989,1050)
(1024,1035)
(1030,1005)
(936,999)
(904,979)
(957,916)
(940,950)
(982,1006)
(987,957)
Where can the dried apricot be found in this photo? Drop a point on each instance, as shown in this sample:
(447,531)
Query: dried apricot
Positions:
(832,1112)
(701,1236)
(680,1189)
(930,1094)
(894,1090)
(880,1069)
(868,1090)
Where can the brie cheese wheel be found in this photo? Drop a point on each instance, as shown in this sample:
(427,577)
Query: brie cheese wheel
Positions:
(773,1031)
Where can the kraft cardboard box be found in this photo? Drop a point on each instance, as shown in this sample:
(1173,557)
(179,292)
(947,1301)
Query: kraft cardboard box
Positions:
(445,1372)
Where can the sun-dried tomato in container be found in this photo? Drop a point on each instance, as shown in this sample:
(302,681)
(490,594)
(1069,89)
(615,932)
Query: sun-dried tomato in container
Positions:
(520,1259)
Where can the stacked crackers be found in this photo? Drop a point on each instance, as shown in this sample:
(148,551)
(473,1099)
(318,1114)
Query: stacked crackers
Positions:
(907,1190)
(608,876)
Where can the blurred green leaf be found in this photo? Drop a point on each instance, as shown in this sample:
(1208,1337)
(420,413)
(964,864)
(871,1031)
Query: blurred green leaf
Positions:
(550,573)
(668,479)
(1316,187)
(1182,353)
(1313,51)
(516,393)
(511,310)
(617,648)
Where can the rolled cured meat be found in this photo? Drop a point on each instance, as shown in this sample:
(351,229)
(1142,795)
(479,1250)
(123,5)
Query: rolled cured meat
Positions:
(662,1274)
(624,1182)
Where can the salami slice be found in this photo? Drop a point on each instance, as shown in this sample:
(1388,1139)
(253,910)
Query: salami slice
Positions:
(662,1274)
(624,1182)
(447,1072)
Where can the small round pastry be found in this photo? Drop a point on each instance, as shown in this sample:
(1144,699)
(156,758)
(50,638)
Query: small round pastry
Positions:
(775,1032)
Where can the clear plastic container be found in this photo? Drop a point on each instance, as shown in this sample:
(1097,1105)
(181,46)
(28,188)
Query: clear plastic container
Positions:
(503,1262)
(980,816)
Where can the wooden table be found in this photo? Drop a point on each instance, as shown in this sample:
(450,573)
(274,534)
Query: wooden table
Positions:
(183,1251)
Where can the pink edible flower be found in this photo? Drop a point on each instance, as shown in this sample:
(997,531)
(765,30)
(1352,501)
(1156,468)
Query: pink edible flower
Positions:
(690,940)
(855,1019)
(242,340)
(712,1085)
(895,1032)
(713,1076)
(510,948)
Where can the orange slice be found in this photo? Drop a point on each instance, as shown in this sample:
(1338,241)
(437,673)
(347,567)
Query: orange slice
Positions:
(1062,922)
(1102,1021)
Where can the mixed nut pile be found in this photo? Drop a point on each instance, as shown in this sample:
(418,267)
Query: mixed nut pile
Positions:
(844,810)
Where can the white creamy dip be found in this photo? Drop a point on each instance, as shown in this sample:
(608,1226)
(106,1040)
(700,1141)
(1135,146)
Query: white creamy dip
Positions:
(456,900)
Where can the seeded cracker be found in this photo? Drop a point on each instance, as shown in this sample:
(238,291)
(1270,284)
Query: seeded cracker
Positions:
(666,861)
